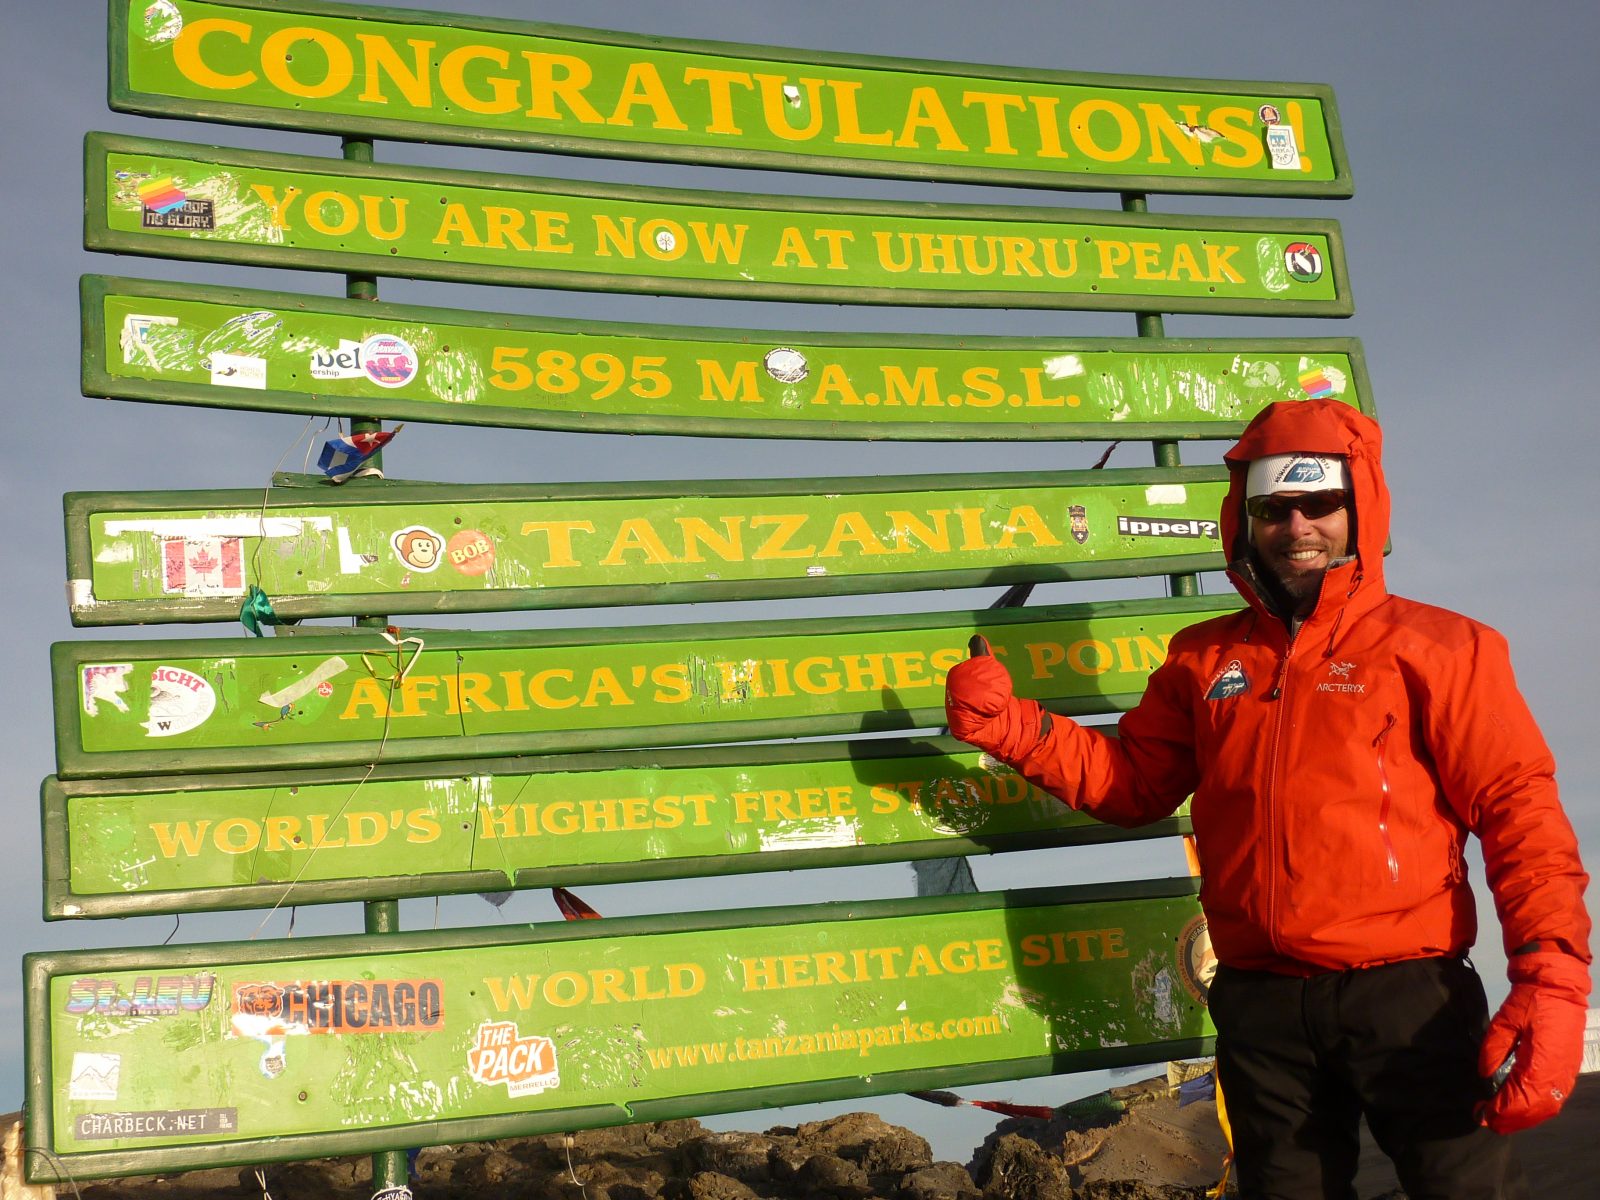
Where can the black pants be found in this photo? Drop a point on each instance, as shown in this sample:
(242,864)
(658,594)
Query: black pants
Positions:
(1301,1060)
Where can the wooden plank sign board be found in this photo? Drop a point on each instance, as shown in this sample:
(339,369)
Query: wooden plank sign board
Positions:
(180,843)
(149,1059)
(256,350)
(330,699)
(327,550)
(179,200)
(396,73)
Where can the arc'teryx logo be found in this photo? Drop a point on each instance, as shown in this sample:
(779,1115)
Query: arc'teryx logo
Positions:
(1339,679)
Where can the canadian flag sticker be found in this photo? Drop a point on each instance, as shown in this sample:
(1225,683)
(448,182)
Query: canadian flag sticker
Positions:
(205,566)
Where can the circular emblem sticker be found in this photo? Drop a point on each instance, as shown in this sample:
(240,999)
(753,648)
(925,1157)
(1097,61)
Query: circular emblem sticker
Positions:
(1197,965)
(471,552)
(389,361)
(1304,261)
(179,701)
(786,365)
(418,547)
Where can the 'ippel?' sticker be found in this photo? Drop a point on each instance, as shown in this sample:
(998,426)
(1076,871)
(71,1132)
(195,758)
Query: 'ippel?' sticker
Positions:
(180,701)
(1167,527)
(500,1054)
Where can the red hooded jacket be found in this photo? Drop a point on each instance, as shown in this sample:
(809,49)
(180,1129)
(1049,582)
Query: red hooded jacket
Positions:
(1337,772)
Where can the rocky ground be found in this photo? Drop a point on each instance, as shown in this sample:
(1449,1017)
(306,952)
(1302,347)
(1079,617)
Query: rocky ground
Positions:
(1150,1150)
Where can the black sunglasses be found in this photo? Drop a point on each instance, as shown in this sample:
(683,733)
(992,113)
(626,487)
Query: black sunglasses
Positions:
(1311,505)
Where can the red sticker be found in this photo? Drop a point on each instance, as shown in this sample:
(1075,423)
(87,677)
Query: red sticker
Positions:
(470,552)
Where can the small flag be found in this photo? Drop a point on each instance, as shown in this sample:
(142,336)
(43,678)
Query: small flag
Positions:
(342,456)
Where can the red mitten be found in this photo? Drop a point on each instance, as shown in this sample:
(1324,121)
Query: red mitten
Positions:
(1542,1021)
(982,710)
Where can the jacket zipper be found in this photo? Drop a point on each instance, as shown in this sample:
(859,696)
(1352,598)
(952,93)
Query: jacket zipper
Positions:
(1382,744)
(1272,791)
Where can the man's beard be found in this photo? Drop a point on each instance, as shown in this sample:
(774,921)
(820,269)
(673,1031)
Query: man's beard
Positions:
(1300,586)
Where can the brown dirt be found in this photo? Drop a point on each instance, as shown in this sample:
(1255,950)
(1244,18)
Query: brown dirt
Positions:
(1153,1150)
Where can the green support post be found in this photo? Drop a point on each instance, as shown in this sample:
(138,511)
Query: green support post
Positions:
(1166,452)
(381,916)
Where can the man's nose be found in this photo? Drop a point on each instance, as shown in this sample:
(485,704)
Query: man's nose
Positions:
(1300,524)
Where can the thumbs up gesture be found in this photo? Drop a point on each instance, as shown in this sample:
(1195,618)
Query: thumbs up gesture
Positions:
(982,709)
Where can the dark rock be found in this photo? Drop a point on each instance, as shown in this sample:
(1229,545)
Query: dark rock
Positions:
(830,1175)
(322,1177)
(939,1181)
(785,1155)
(602,1180)
(897,1152)
(850,1136)
(438,1164)
(492,1170)
(707,1185)
(741,1156)
(666,1135)
(1020,1169)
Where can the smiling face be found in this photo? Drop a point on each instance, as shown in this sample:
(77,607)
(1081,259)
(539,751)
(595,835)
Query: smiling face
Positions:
(1298,550)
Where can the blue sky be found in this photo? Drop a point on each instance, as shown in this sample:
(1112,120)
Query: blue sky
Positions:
(1471,245)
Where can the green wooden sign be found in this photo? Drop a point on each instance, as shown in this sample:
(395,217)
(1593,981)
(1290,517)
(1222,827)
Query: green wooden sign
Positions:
(185,201)
(327,699)
(322,549)
(236,348)
(395,73)
(183,843)
(158,1058)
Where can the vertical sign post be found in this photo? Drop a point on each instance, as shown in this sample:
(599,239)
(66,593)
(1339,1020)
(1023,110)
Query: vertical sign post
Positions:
(379,916)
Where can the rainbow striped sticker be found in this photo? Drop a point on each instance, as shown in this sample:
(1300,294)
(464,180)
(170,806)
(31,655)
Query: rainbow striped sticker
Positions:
(161,195)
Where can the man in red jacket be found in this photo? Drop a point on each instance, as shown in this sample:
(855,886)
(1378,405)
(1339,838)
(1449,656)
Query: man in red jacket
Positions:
(1340,743)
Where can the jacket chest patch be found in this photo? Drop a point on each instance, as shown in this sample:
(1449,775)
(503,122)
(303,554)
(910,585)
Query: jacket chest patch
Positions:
(1339,679)
(1230,681)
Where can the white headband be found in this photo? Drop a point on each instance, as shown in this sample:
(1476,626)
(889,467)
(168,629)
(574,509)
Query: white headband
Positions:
(1296,473)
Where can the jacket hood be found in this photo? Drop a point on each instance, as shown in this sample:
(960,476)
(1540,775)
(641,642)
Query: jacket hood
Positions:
(1317,427)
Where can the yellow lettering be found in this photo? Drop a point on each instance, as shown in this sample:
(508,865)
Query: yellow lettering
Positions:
(642,86)
(775,106)
(613,237)
(636,534)
(994,105)
(850,134)
(1163,129)
(1024,520)
(1237,127)
(728,546)
(1082,126)
(453,80)
(739,384)
(187,53)
(276,55)
(545,86)
(379,57)
(457,222)
(179,836)
(277,208)
(346,221)
(926,111)
(559,534)
(907,525)
(786,526)
(851,527)
(719,85)
(366,692)
(792,245)
(539,692)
